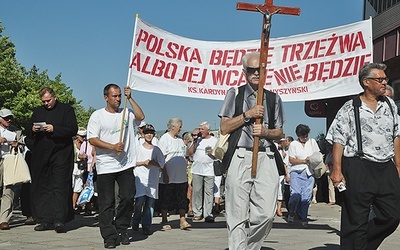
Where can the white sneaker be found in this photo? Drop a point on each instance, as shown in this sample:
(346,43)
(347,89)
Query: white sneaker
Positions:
(290,219)
(314,201)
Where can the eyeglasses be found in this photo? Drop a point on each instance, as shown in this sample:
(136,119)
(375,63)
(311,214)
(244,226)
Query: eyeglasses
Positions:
(194,135)
(380,79)
(251,70)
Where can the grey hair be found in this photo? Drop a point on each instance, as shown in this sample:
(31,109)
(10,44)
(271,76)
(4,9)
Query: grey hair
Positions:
(390,88)
(173,122)
(246,57)
(366,70)
(205,124)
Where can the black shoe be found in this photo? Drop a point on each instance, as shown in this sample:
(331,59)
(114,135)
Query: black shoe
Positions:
(88,213)
(77,210)
(209,219)
(146,231)
(110,244)
(124,238)
(135,226)
(44,227)
(59,227)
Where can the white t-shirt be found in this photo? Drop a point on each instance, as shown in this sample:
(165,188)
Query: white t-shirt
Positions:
(147,177)
(296,150)
(174,151)
(4,147)
(107,126)
(202,163)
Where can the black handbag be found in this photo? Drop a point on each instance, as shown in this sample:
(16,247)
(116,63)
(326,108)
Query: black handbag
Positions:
(278,159)
(219,168)
(83,163)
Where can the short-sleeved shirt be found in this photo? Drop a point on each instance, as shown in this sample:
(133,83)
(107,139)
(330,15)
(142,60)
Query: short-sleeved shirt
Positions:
(378,130)
(202,163)
(298,151)
(147,177)
(228,110)
(4,147)
(174,151)
(107,127)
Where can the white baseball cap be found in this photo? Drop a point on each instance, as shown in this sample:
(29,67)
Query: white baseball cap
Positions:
(142,124)
(5,113)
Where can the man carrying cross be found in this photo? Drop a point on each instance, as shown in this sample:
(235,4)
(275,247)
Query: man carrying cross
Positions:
(251,186)
(250,200)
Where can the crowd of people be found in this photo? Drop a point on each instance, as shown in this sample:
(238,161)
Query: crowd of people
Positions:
(138,175)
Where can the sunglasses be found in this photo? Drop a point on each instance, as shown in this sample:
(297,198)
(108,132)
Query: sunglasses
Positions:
(380,80)
(251,70)
(7,118)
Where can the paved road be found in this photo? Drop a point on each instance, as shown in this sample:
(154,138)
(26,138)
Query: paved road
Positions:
(83,233)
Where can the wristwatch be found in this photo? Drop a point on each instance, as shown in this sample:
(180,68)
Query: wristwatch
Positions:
(245,118)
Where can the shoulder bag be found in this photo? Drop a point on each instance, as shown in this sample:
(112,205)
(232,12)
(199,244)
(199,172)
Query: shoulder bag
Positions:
(83,163)
(270,97)
(16,169)
(229,141)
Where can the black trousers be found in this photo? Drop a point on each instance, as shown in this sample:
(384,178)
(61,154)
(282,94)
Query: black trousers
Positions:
(369,184)
(126,191)
(51,188)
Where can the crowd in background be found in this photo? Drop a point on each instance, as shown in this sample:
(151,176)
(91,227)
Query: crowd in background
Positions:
(213,203)
(157,176)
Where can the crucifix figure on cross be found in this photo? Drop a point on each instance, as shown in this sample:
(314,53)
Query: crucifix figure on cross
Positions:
(267,10)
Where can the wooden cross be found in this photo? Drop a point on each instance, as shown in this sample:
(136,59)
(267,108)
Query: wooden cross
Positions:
(267,9)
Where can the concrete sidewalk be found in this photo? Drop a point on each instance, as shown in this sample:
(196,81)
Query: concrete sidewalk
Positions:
(83,233)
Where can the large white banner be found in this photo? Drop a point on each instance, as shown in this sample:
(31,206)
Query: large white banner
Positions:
(317,65)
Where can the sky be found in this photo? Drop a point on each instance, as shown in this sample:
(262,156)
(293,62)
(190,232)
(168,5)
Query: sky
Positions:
(89,43)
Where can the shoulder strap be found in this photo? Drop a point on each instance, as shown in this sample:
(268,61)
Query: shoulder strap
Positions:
(270,99)
(234,137)
(356,105)
(86,145)
(388,103)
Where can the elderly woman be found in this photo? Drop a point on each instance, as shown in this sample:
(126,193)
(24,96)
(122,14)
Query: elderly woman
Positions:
(173,181)
(301,179)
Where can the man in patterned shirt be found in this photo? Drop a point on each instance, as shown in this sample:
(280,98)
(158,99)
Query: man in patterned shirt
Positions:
(371,177)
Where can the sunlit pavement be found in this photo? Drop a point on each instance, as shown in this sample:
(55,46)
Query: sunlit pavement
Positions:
(83,233)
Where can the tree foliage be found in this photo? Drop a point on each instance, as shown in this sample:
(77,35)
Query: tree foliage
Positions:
(19,87)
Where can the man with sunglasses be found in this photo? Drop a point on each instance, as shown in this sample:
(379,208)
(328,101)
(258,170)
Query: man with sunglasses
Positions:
(250,201)
(6,207)
(369,174)
(49,137)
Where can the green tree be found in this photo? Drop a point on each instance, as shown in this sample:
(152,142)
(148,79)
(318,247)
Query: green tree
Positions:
(19,87)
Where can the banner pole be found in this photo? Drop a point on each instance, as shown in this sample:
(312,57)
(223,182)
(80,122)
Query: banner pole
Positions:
(127,84)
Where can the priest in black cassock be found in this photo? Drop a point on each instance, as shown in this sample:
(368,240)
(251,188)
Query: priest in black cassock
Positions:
(49,134)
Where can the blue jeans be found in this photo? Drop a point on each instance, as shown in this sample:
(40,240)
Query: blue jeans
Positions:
(301,187)
(144,210)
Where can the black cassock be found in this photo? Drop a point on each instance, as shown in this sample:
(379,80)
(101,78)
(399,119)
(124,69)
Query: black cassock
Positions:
(52,163)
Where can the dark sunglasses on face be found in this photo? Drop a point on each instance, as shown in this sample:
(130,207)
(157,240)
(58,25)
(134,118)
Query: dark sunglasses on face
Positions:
(251,70)
(7,118)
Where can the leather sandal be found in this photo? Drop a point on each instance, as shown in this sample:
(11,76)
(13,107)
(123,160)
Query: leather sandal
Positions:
(185,225)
